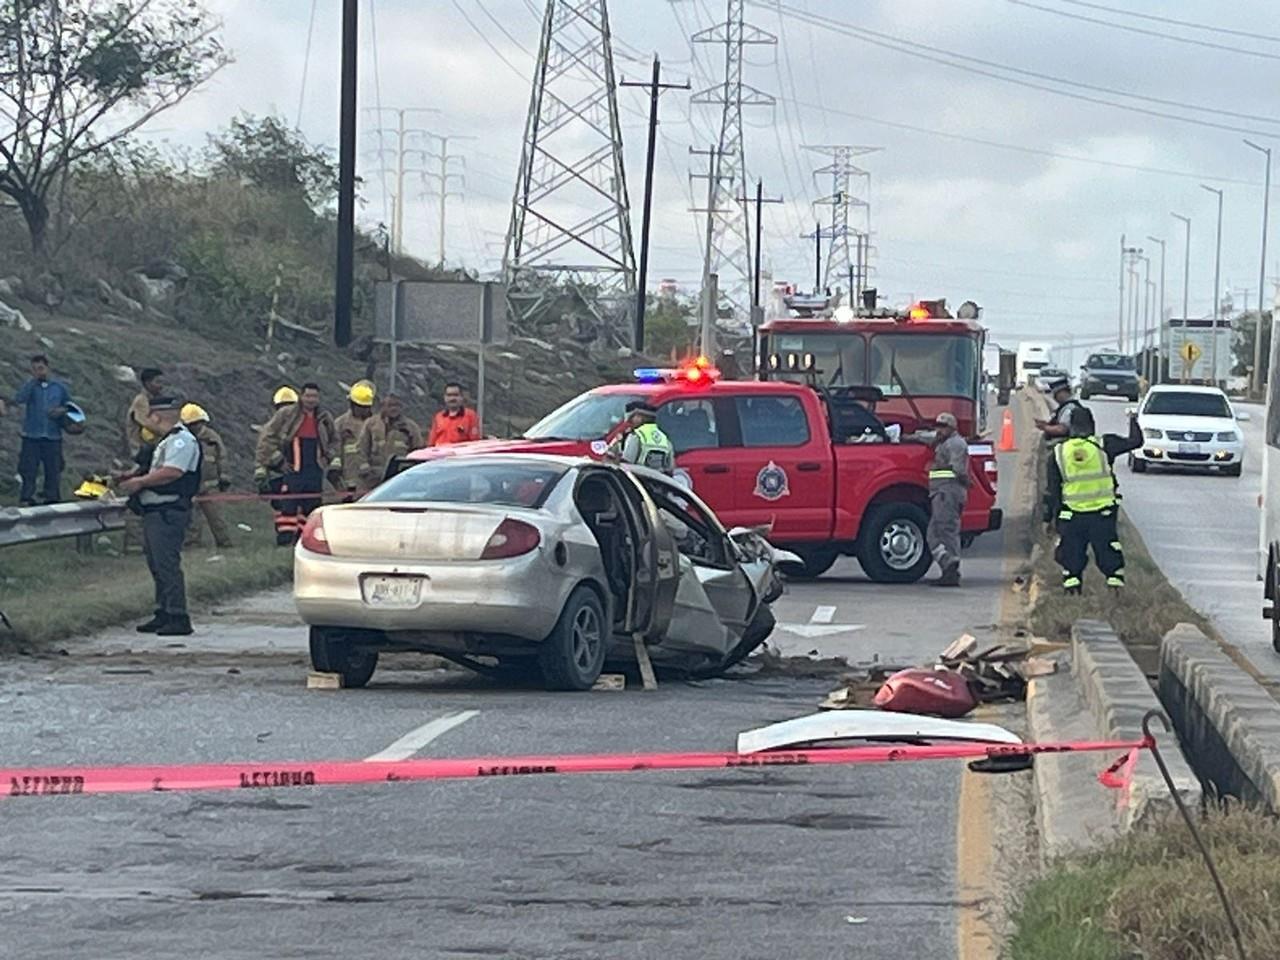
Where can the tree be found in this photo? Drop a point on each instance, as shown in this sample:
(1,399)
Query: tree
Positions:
(267,153)
(1246,327)
(77,76)
(667,327)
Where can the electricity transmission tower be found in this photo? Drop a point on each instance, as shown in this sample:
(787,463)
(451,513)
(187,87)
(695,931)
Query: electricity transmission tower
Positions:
(841,262)
(730,247)
(570,226)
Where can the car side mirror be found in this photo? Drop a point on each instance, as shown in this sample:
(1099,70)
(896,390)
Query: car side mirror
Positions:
(1130,411)
(1244,416)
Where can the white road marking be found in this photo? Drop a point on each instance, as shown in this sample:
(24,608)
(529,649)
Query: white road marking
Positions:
(415,740)
(823,615)
(811,630)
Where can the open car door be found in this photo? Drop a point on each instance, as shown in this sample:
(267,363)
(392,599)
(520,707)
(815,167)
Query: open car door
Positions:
(657,565)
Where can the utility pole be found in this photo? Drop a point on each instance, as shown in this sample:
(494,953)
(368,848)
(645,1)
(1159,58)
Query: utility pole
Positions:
(760,201)
(1160,338)
(344,281)
(817,238)
(1128,260)
(402,135)
(655,87)
(1217,281)
(1255,380)
(710,280)
(1186,282)
(444,175)
(1146,313)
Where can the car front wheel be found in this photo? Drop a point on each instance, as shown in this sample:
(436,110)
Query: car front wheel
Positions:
(334,650)
(1234,470)
(573,654)
(1137,465)
(892,546)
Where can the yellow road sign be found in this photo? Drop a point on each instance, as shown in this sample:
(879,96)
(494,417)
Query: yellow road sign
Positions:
(1190,352)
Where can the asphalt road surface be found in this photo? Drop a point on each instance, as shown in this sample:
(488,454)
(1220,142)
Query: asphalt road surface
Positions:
(1202,529)
(813,863)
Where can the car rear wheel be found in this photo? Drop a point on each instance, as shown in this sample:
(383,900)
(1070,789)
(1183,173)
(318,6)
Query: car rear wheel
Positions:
(814,562)
(334,650)
(573,654)
(892,547)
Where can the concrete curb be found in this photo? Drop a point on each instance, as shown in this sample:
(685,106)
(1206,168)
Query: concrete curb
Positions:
(1223,714)
(1119,696)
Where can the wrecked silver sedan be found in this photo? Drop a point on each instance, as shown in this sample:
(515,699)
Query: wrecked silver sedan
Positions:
(521,560)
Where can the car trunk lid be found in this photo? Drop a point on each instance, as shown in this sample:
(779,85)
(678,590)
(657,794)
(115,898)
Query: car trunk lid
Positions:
(438,532)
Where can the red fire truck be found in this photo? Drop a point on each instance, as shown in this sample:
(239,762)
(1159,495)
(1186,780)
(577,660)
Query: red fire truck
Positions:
(775,453)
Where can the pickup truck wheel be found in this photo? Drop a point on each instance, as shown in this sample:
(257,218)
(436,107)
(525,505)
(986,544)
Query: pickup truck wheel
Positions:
(814,562)
(573,654)
(334,650)
(891,546)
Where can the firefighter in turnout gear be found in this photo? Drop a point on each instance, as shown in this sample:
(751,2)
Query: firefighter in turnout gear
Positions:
(642,441)
(349,426)
(213,476)
(293,456)
(387,435)
(948,491)
(1084,498)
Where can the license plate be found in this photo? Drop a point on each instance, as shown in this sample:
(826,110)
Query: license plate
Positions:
(383,591)
(1188,448)
(1113,386)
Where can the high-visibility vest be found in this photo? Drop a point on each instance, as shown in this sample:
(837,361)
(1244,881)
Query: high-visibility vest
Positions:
(1087,481)
(656,451)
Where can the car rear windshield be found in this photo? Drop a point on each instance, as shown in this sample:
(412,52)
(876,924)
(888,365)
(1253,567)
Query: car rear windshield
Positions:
(1110,361)
(1188,404)
(588,417)
(462,480)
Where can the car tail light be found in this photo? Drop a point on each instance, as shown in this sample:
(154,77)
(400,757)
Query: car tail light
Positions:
(313,537)
(512,539)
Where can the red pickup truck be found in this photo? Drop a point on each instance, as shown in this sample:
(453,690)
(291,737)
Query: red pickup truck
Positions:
(763,452)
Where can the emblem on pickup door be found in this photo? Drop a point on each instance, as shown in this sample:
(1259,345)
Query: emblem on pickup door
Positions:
(771,482)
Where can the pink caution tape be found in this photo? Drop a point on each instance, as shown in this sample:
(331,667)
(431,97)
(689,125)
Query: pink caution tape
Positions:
(57,781)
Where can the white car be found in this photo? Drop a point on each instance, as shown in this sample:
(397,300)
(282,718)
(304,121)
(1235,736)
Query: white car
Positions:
(1188,426)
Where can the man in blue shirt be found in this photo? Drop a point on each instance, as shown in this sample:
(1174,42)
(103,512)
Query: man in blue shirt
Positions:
(46,402)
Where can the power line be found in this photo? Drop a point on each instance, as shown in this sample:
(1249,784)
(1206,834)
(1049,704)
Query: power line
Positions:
(377,100)
(1036,151)
(489,43)
(306,65)
(1174,20)
(1148,33)
(988,68)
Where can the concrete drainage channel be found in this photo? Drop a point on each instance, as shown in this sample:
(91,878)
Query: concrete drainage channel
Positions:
(1227,723)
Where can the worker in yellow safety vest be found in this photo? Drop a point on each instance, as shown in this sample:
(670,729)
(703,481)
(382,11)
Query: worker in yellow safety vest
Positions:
(1085,496)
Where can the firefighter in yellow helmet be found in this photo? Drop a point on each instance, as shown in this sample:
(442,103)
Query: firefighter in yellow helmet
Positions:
(283,397)
(213,476)
(346,465)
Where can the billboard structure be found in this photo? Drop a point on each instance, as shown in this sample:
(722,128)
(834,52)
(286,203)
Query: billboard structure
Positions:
(430,312)
(1190,346)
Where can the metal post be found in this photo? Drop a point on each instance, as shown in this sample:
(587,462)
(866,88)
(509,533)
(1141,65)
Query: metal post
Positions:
(1160,319)
(755,275)
(344,280)
(1255,381)
(1186,285)
(817,262)
(712,165)
(1217,283)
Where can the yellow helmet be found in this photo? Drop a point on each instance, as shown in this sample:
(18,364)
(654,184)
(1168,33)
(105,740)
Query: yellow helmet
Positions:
(193,413)
(285,395)
(362,393)
(149,435)
(92,488)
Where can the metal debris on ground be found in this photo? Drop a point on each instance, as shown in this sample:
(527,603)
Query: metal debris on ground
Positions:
(997,673)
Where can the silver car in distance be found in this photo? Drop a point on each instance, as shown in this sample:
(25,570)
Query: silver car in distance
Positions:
(522,560)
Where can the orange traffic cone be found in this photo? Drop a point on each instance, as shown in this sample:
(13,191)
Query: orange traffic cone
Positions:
(1007,444)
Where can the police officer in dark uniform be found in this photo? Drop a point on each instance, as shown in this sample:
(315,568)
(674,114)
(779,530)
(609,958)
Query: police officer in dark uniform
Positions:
(164,495)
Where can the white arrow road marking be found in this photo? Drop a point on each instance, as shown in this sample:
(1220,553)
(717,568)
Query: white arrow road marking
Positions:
(820,625)
(415,740)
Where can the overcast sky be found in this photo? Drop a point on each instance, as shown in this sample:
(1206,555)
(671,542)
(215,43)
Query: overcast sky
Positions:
(1029,229)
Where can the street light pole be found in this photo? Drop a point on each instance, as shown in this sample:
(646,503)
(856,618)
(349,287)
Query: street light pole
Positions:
(1186,283)
(1146,313)
(1255,381)
(1217,280)
(1160,320)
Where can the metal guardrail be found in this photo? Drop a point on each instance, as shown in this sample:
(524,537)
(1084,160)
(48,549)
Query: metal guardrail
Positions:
(56,521)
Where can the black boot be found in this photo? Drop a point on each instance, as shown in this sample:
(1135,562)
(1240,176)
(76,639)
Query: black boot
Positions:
(176,626)
(154,624)
(950,576)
